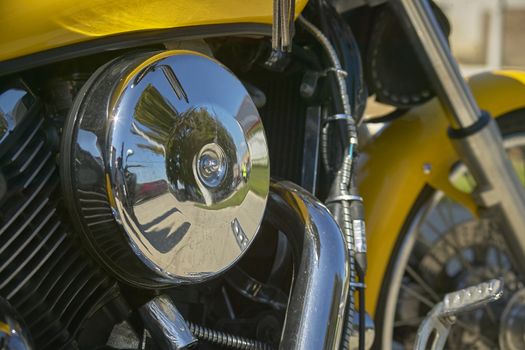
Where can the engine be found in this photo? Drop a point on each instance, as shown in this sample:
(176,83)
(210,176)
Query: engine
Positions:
(44,273)
(130,175)
(165,178)
(139,172)
(165,175)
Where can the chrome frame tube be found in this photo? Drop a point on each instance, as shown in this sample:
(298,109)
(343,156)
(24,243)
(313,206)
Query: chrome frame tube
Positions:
(499,191)
(316,307)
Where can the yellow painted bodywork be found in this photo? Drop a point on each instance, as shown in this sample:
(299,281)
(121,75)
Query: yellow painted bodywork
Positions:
(30,26)
(391,166)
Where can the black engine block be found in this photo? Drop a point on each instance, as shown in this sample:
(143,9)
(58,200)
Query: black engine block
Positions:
(43,274)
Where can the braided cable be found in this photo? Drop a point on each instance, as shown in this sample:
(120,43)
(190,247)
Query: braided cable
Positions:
(344,174)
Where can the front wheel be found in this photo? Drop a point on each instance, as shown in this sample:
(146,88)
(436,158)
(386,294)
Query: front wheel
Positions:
(444,248)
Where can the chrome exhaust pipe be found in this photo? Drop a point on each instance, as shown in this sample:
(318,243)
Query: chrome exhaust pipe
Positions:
(316,306)
(317,301)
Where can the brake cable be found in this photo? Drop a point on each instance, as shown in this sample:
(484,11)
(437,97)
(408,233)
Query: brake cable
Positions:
(343,200)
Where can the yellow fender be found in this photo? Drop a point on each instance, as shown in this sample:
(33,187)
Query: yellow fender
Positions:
(390,169)
(31,26)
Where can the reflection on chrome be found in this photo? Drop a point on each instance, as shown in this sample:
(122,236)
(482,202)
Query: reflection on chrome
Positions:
(15,102)
(13,334)
(174,145)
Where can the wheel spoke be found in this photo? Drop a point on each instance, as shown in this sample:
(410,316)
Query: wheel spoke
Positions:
(421,282)
(499,258)
(448,218)
(476,332)
(466,264)
(454,244)
(499,248)
(450,212)
(421,239)
(418,296)
(491,314)
(434,230)
(480,253)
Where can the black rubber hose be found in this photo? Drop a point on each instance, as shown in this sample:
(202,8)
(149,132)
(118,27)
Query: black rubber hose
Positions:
(226,339)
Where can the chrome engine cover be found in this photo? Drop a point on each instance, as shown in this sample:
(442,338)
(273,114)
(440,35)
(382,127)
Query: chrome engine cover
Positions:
(165,167)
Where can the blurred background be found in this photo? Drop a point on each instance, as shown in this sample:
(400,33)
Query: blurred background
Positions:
(486,34)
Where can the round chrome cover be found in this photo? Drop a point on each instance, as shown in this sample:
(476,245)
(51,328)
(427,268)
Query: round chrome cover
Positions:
(173,146)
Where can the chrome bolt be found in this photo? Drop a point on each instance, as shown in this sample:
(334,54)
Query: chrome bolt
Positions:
(427,168)
(211,165)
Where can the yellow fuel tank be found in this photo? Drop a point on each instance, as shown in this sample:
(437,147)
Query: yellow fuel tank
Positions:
(30,26)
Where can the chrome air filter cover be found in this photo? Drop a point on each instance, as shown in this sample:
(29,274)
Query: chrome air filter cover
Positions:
(165,167)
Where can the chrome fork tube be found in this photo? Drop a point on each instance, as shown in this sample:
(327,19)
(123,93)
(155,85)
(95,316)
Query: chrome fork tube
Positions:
(315,313)
(474,134)
(421,26)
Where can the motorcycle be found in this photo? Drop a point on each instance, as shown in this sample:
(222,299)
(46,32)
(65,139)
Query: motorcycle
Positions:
(139,209)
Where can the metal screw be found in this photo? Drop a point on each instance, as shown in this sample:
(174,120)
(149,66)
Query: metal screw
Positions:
(427,168)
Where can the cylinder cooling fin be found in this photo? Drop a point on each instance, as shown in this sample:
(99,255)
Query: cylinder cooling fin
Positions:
(44,274)
(165,167)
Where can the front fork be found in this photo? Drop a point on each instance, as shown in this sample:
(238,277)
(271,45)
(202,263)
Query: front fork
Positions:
(474,133)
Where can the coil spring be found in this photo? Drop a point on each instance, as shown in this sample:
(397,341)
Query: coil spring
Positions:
(225,339)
